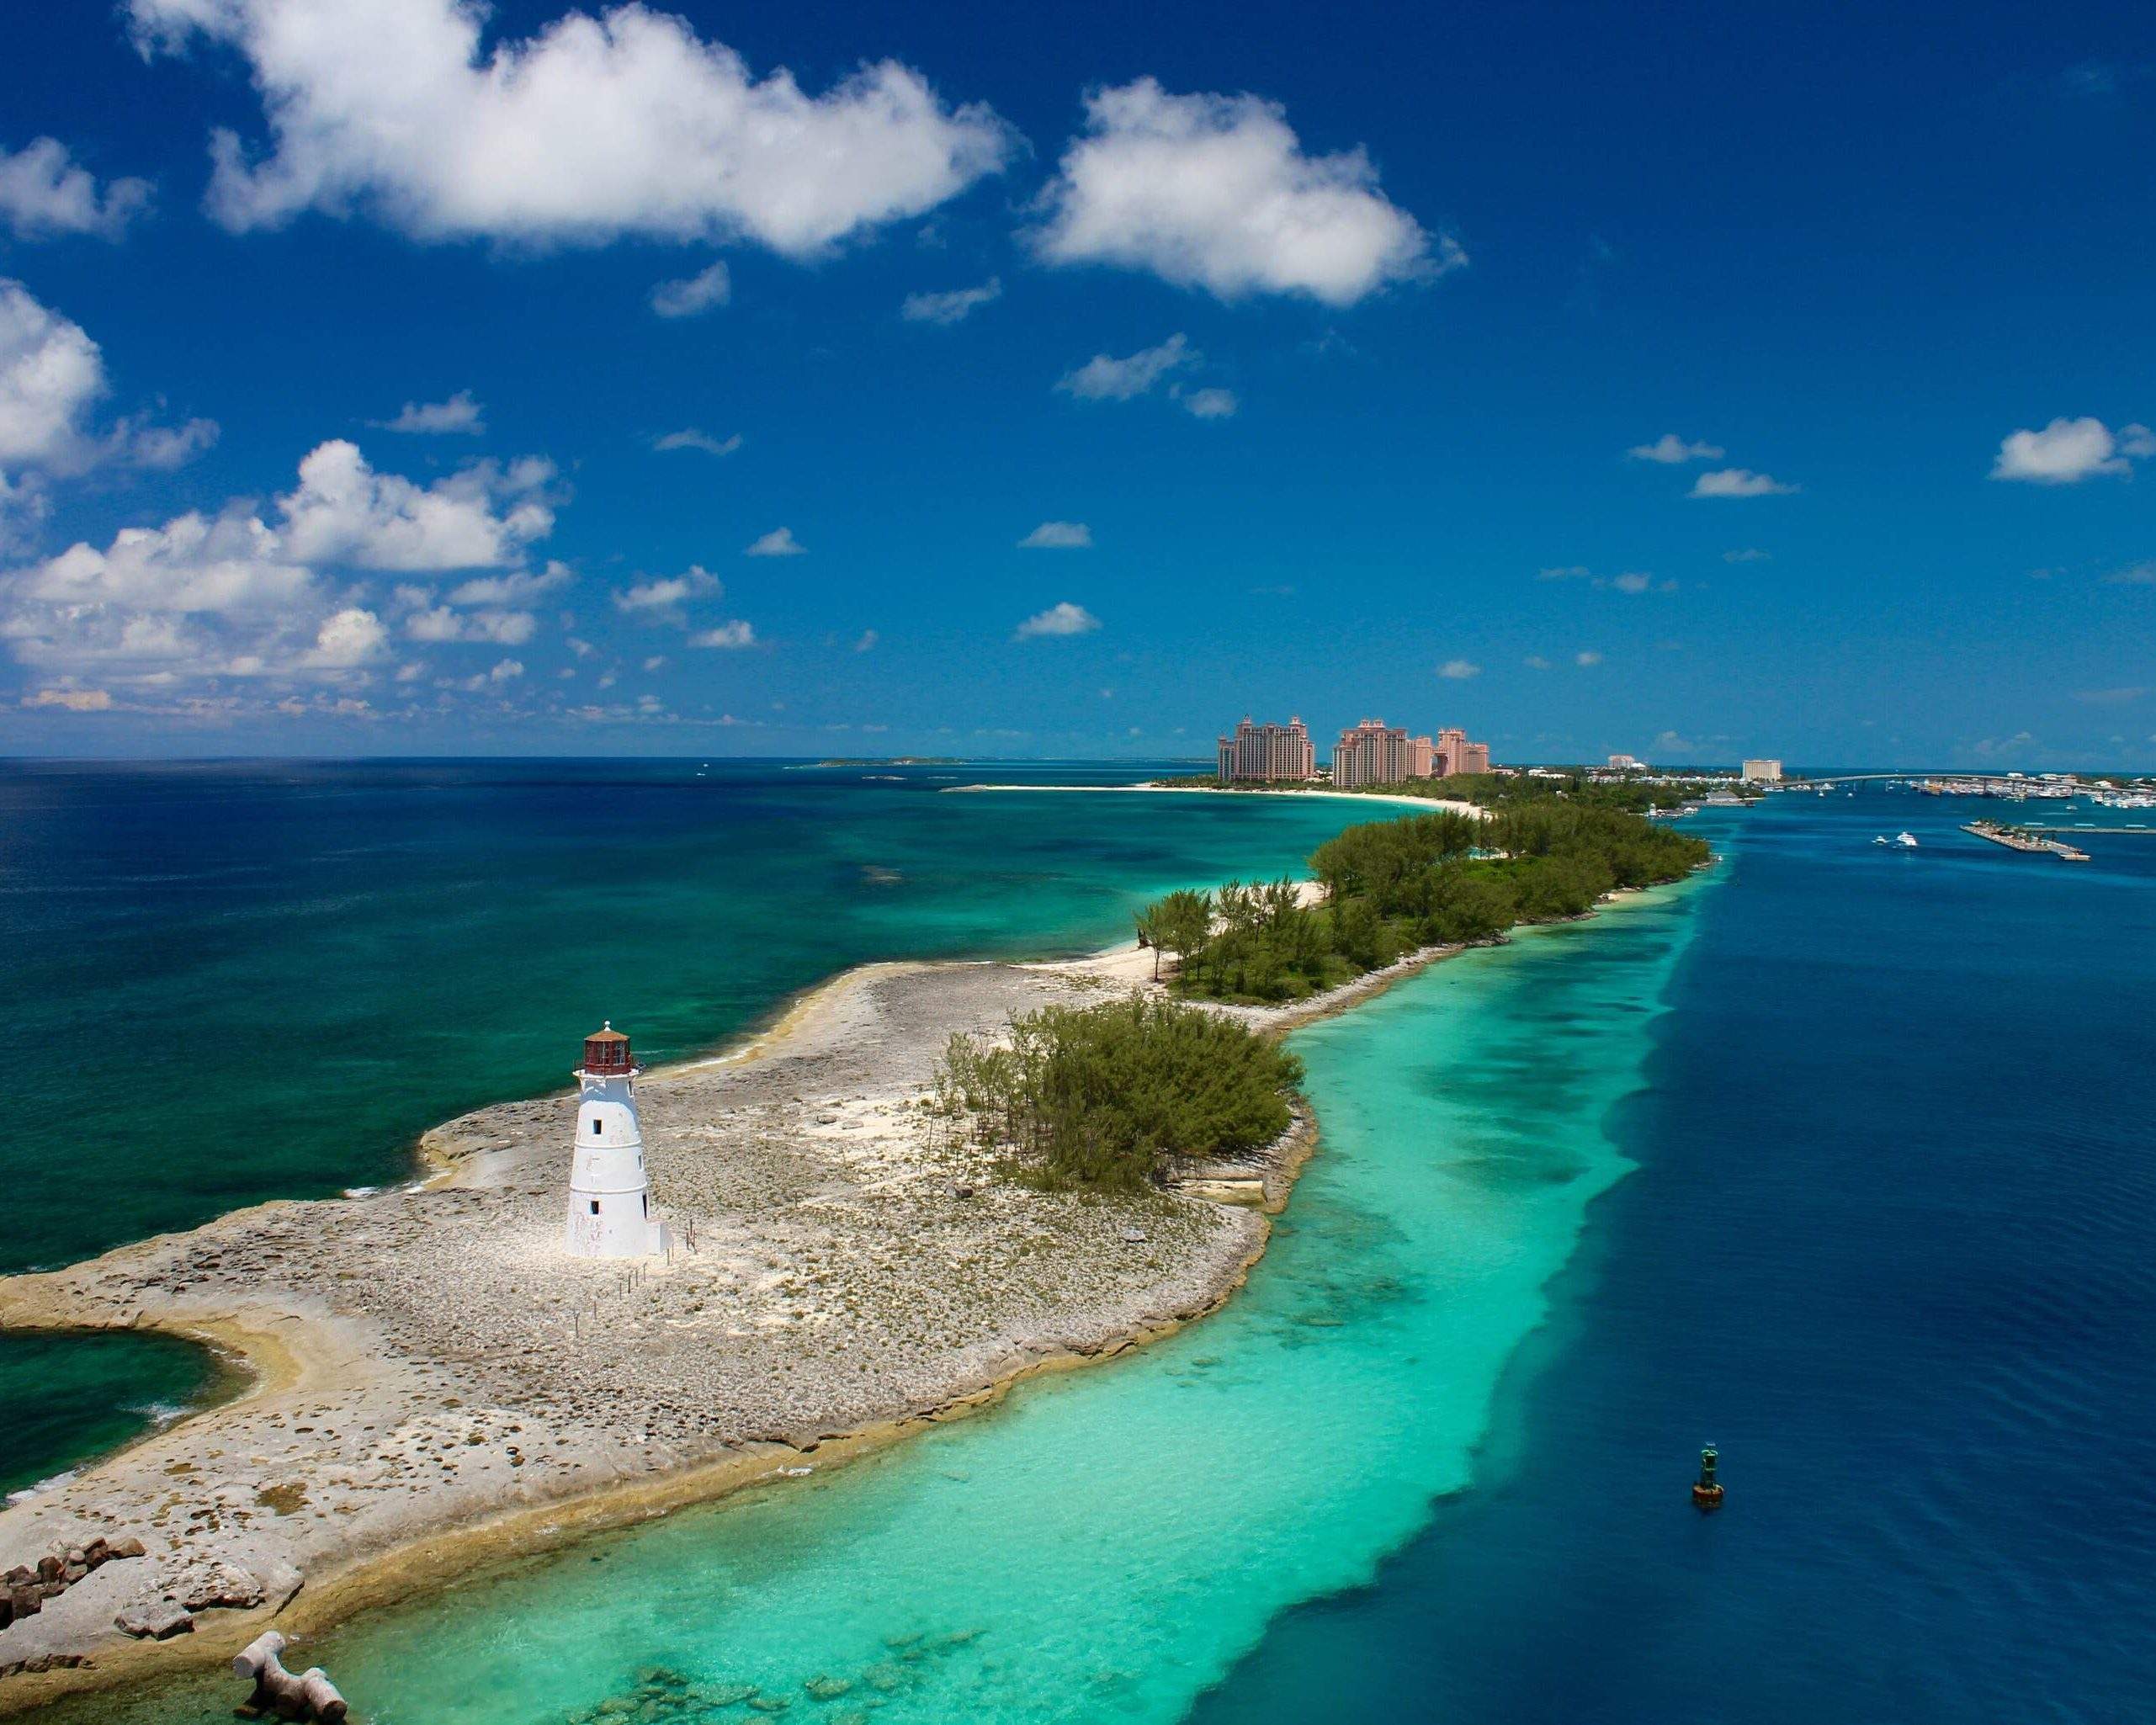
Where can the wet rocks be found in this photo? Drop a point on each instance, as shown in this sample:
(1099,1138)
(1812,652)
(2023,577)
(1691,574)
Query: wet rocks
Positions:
(25,1588)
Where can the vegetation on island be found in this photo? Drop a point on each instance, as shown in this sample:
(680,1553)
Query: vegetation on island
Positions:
(1103,1098)
(1099,1098)
(1503,790)
(1392,887)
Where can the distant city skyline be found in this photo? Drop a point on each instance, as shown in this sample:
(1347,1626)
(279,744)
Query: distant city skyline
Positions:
(973,380)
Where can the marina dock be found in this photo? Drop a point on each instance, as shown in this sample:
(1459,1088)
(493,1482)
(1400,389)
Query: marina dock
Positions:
(2020,839)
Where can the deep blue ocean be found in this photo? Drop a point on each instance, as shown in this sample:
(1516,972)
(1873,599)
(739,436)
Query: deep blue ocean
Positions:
(1891,1245)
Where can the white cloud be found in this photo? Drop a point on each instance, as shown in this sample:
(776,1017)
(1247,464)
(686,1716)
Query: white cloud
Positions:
(165,447)
(1633,581)
(45,194)
(233,596)
(71,700)
(1059,536)
(1750,554)
(627,123)
(735,633)
(1211,404)
(953,307)
(2136,575)
(51,376)
(515,588)
(2067,451)
(692,438)
(657,661)
(1459,670)
(507,629)
(1737,482)
(1588,657)
(1105,379)
(1215,192)
(1535,661)
(868,641)
(1672,450)
(666,595)
(344,512)
(458,416)
(347,638)
(1064,619)
(1564,572)
(779,542)
(694,293)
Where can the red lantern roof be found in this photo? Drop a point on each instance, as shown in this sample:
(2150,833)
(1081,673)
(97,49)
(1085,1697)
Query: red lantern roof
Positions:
(606,1050)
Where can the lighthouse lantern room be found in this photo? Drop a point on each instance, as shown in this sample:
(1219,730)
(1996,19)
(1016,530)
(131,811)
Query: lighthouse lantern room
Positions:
(609,1193)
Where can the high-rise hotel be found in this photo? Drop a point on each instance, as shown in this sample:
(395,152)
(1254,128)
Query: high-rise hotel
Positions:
(1374,752)
(1267,752)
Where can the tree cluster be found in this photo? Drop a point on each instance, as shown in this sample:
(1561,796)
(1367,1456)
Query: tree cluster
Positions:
(1393,886)
(1099,1098)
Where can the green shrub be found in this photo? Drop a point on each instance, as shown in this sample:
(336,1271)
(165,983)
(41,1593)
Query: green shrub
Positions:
(1099,1097)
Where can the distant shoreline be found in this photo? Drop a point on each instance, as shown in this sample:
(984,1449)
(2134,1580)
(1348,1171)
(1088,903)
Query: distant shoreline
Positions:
(1474,810)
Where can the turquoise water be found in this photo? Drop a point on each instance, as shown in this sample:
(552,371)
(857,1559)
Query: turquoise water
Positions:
(1107,1543)
(247,980)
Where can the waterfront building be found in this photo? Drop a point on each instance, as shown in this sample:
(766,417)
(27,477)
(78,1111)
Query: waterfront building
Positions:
(1371,752)
(1626,763)
(1762,773)
(609,1194)
(1262,752)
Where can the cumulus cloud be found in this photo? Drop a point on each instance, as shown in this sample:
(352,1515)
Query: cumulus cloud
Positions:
(1737,482)
(52,375)
(1672,450)
(458,416)
(953,307)
(45,194)
(1210,403)
(1588,657)
(234,595)
(1064,619)
(507,629)
(1104,378)
(779,542)
(625,122)
(344,512)
(663,597)
(1459,670)
(735,634)
(692,438)
(692,295)
(1216,192)
(2067,451)
(868,641)
(1059,536)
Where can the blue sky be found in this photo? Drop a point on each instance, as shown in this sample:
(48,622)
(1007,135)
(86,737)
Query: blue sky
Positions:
(1310,346)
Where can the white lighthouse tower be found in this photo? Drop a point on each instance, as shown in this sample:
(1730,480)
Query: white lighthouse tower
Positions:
(610,1195)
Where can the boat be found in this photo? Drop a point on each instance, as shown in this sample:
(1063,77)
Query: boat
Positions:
(1899,841)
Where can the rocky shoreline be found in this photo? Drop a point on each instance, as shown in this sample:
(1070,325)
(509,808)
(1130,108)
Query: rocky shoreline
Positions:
(438,1382)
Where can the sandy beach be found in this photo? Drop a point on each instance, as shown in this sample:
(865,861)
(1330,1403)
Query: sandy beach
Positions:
(1428,805)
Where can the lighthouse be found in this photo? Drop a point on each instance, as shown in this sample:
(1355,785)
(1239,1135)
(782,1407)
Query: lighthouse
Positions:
(609,1195)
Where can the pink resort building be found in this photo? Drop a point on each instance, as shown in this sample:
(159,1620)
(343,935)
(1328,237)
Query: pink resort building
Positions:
(1262,752)
(1374,752)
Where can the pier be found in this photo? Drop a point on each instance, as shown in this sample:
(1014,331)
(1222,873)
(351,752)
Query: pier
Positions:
(2016,838)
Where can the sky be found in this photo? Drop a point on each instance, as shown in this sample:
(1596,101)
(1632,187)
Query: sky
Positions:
(1689,381)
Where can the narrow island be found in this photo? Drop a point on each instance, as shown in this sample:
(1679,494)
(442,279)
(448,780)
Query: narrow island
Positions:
(923,1183)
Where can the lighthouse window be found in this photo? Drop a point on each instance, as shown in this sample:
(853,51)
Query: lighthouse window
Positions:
(647,1203)
(595,1128)
(594,1207)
